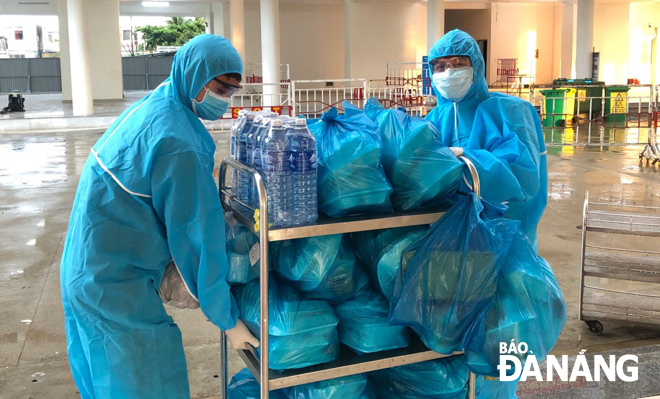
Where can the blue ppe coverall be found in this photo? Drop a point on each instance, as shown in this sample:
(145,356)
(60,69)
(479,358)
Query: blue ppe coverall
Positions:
(500,134)
(147,197)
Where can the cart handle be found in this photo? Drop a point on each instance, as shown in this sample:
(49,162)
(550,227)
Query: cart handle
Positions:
(256,177)
(252,350)
(476,186)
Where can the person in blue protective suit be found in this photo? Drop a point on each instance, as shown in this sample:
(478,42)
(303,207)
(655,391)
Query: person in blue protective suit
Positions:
(147,199)
(500,134)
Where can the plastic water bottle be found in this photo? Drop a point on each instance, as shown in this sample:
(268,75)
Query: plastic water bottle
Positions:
(254,148)
(276,161)
(303,165)
(233,150)
(242,180)
(257,129)
(234,132)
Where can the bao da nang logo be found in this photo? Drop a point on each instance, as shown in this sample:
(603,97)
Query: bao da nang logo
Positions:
(517,361)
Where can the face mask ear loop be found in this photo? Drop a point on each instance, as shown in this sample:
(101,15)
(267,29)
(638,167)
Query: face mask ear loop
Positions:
(194,100)
(456,123)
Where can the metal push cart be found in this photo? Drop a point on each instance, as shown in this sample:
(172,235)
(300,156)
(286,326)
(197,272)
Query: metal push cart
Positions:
(601,303)
(348,362)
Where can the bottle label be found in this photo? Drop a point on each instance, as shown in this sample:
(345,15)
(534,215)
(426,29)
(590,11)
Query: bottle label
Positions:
(276,161)
(303,161)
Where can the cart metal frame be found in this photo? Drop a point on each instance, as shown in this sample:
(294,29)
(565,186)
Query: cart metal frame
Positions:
(348,363)
(618,264)
(651,152)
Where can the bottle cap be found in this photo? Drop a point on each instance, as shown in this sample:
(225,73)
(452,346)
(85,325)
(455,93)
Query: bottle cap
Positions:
(301,122)
(276,123)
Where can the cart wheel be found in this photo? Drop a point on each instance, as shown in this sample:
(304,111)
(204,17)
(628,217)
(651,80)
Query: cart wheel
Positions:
(561,123)
(594,327)
(574,120)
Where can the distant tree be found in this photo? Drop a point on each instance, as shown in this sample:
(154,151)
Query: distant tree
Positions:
(177,32)
(176,21)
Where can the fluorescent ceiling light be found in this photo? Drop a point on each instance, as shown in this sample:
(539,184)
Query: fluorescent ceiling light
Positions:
(155,4)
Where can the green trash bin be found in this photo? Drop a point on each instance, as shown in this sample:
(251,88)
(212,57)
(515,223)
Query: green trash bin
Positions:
(557,107)
(616,103)
(586,88)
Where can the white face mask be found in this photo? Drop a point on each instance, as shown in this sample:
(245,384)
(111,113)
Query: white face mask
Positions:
(454,83)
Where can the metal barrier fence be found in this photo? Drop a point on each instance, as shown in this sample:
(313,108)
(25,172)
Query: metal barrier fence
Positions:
(257,97)
(253,96)
(590,122)
(405,74)
(312,97)
(614,118)
(253,73)
(506,67)
(411,99)
(30,75)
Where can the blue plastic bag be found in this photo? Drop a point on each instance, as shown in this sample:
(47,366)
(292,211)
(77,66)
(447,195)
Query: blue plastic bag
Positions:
(529,307)
(493,388)
(381,250)
(445,378)
(364,326)
(448,278)
(302,332)
(422,170)
(351,180)
(240,241)
(322,267)
(351,387)
(244,386)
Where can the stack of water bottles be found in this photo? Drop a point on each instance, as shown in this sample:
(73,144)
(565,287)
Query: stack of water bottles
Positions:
(283,151)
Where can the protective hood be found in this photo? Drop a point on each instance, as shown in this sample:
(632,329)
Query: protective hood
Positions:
(200,60)
(459,43)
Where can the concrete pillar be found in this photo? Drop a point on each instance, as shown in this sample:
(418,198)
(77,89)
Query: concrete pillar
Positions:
(654,58)
(585,38)
(226,11)
(208,19)
(105,50)
(270,49)
(218,16)
(435,22)
(238,26)
(81,78)
(421,21)
(347,39)
(65,58)
(567,66)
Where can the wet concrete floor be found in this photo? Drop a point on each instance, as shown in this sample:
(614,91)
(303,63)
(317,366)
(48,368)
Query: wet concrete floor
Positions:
(38,178)
(52,106)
